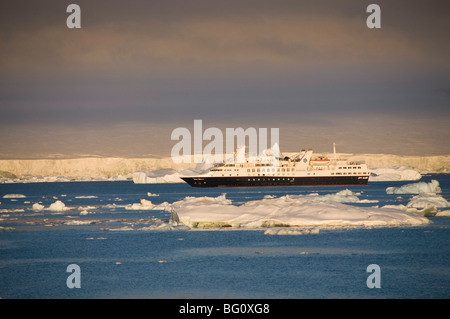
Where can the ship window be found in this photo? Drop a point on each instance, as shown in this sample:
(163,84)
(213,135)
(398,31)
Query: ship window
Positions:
(339,167)
(332,173)
(248,169)
(253,170)
(258,170)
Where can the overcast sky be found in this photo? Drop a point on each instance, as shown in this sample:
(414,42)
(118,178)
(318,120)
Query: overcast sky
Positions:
(136,70)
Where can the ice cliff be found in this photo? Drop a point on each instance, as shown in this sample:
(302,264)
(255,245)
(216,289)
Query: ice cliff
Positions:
(392,167)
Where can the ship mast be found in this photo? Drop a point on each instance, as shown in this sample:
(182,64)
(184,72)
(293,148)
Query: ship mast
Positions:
(334,151)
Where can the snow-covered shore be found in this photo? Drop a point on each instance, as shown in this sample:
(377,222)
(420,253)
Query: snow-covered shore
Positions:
(164,170)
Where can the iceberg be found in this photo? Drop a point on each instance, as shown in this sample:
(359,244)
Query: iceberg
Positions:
(58,206)
(143,205)
(416,188)
(426,204)
(37,207)
(285,211)
(428,200)
(402,173)
(157,177)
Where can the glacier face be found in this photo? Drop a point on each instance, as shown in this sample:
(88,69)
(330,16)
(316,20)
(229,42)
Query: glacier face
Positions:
(113,168)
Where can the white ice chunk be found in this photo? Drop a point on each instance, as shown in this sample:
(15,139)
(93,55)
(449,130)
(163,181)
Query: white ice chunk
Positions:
(444,213)
(89,196)
(152,195)
(288,231)
(416,188)
(57,206)
(143,205)
(428,200)
(293,210)
(14,196)
(37,207)
(344,196)
(402,173)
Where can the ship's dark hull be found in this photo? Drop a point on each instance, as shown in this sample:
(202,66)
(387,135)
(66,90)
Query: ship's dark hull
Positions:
(252,181)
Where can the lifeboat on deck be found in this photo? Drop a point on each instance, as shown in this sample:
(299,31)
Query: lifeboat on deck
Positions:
(320,161)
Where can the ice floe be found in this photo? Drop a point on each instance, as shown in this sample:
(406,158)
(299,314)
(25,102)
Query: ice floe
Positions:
(290,232)
(14,196)
(58,206)
(344,196)
(416,188)
(37,207)
(285,211)
(152,195)
(425,204)
(428,200)
(402,173)
(89,196)
(157,177)
(143,205)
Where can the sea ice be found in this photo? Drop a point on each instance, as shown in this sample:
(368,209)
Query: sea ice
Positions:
(344,196)
(290,210)
(288,231)
(143,205)
(402,173)
(157,177)
(427,211)
(428,200)
(89,196)
(152,195)
(57,206)
(37,207)
(444,213)
(416,188)
(14,196)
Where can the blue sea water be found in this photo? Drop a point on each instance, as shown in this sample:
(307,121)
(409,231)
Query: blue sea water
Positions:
(36,247)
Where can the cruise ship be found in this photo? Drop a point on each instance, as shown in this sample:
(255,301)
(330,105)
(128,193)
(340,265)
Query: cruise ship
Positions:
(301,169)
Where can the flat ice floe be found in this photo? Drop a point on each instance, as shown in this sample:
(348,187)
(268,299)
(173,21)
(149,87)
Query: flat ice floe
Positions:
(286,211)
(14,196)
(402,173)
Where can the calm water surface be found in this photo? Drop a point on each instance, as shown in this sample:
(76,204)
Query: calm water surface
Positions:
(118,259)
